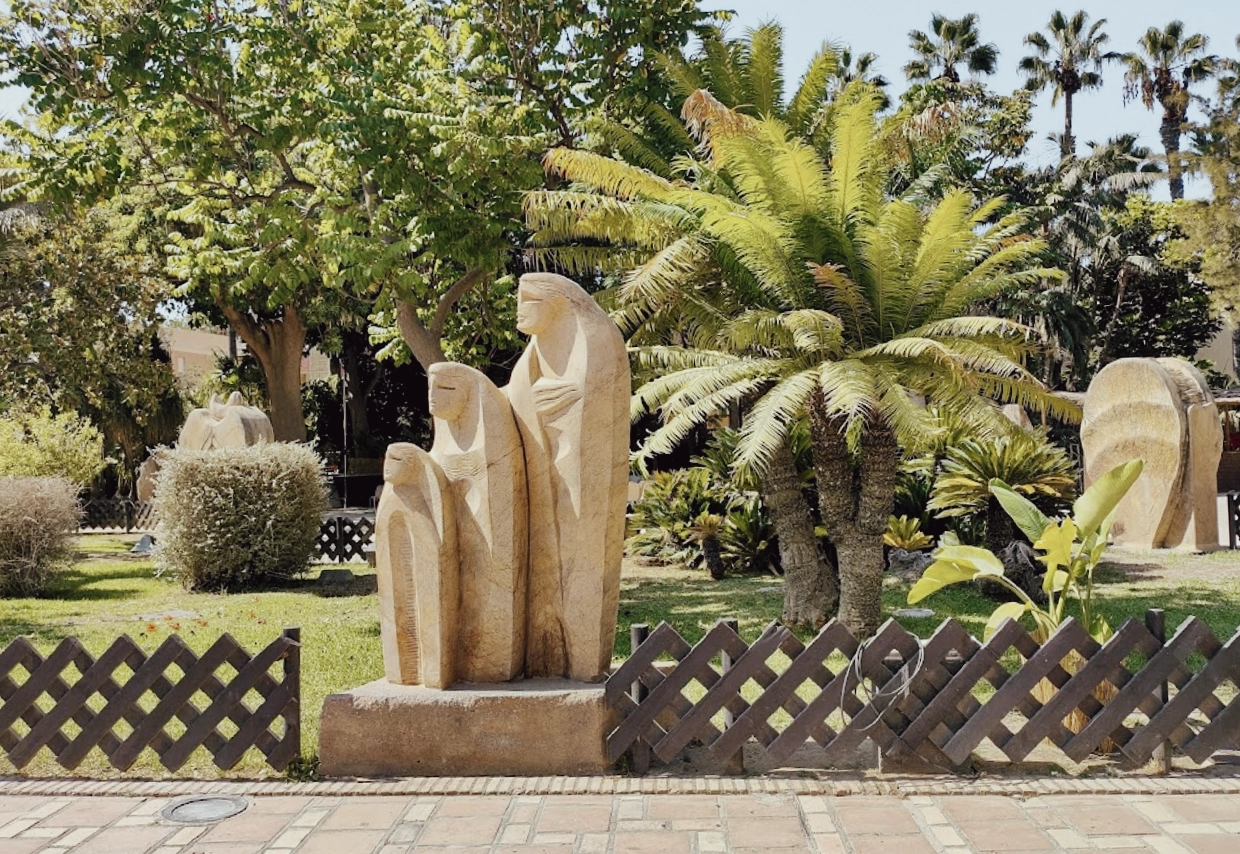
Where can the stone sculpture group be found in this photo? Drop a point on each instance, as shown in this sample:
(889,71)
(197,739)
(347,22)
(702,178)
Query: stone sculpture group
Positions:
(1162,412)
(498,551)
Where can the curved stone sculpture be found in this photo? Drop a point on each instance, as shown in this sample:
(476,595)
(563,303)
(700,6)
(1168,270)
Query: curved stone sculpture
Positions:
(1160,411)
(225,425)
(416,564)
(479,449)
(570,394)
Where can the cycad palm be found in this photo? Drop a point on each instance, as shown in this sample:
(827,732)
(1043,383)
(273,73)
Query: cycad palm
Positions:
(950,42)
(1167,64)
(803,286)
(1071,64)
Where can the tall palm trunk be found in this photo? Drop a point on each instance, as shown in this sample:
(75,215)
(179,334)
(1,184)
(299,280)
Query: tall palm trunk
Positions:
(811,590)
(1169,131)
(1068,144)
(856,503)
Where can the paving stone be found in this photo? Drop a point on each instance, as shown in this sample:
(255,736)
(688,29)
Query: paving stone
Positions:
(310,818)
(1108,820)
(470,805)
(1184,828)
(1118,841)
(1005,836)
(862,820)
(813,804)
(44,833)
(97,812)
(820,823)
(247,827)
(524,813)
(651,843)
(291,838)
(755,805)
(709,841)
(76,836)
(771,832)
(118,839)
(418,812)
(946,835)
(280,803)
(340,841)
(21,846)
(634,809)
(596,843)
(523,849)
(1208,844)
(365,814)
(515,834)
(981,808)
(460,831)
(1193,808)
(555,818)
(1066,837)
(555,838)
(1165,845)
(13,828)
(904,844)
(681,807)
(828,843)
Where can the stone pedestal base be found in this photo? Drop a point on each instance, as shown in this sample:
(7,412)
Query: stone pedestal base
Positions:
(536,727)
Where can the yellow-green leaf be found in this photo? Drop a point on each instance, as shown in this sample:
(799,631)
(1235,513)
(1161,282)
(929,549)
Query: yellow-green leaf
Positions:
(1102,497)
(1006,611)
(938,575)
(983,560)
(1055,581)
(1057,541)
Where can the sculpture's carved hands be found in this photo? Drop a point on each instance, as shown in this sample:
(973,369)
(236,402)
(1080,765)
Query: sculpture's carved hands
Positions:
(554,396)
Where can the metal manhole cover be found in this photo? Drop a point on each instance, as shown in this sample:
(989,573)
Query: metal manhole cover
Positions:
(203,809)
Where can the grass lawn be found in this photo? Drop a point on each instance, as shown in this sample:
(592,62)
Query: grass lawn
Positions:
(108,592)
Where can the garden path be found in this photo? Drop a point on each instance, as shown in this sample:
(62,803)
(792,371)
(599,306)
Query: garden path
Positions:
(1163,817)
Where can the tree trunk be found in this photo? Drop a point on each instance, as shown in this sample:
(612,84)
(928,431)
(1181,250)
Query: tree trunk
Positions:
(1169,131)
(278,345)
(351,356)
(861,580)
(712,556)
(811,589)
(423,340)
(1068,144)
(1000,531)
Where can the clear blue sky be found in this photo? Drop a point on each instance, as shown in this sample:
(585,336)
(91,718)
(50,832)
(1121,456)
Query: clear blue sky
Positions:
(882,26)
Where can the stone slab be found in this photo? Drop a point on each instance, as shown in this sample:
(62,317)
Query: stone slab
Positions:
(535,727)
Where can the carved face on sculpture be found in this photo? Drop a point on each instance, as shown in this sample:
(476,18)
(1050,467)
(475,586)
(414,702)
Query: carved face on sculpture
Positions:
(449,391)
(399,466)
(538,306)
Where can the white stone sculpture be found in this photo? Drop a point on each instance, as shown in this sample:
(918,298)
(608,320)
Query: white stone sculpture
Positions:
(1162,412)
(230,424)
(417,560)
(570,394)
(479,449)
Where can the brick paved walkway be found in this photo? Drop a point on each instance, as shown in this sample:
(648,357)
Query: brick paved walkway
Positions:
(779,823)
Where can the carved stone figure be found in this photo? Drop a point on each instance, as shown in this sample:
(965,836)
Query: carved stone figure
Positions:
(225,425)
(1162,412)
(479,449)
(148,474)
(570,394)
(416,561)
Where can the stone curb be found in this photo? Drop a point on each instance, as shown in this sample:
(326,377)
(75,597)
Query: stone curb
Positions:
(891,785)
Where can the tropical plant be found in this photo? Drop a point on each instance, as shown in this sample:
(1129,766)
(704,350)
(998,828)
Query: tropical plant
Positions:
(905,533)
(1071,64)
(1028,463)
(705,530)
(803,288)
(950,42)
(1071,550)
(1167,64)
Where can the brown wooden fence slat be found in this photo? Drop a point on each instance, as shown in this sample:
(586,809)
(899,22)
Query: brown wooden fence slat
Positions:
(96,677)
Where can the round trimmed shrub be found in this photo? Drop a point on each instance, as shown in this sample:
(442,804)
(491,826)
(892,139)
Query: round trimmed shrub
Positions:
(237,517)
(38,516)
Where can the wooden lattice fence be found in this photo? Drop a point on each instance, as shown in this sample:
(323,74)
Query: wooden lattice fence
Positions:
(117,515)
(342,538)
(172,701)
(928,699)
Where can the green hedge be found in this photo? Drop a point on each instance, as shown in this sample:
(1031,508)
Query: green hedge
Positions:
(233,518)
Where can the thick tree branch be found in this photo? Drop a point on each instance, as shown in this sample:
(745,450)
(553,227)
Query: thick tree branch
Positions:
(459,288)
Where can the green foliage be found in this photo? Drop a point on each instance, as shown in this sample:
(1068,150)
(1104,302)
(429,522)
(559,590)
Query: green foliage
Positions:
(950,42)
(38,516)
(38,444)
(236,518)
(1027,463)
(905,533)
(1071,549)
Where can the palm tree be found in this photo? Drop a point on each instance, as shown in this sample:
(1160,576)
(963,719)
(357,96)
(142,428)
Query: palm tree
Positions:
(749,73)
(800,285)
(858,68)
(955,41)
(1161,72)
(1071,64)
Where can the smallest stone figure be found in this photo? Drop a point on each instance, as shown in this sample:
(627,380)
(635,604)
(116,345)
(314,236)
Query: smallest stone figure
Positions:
(418,570)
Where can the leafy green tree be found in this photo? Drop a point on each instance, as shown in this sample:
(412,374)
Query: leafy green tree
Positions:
(951,42)
(1167,63)
(804,286)
(1070,61)
(39,444)
(79,327)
